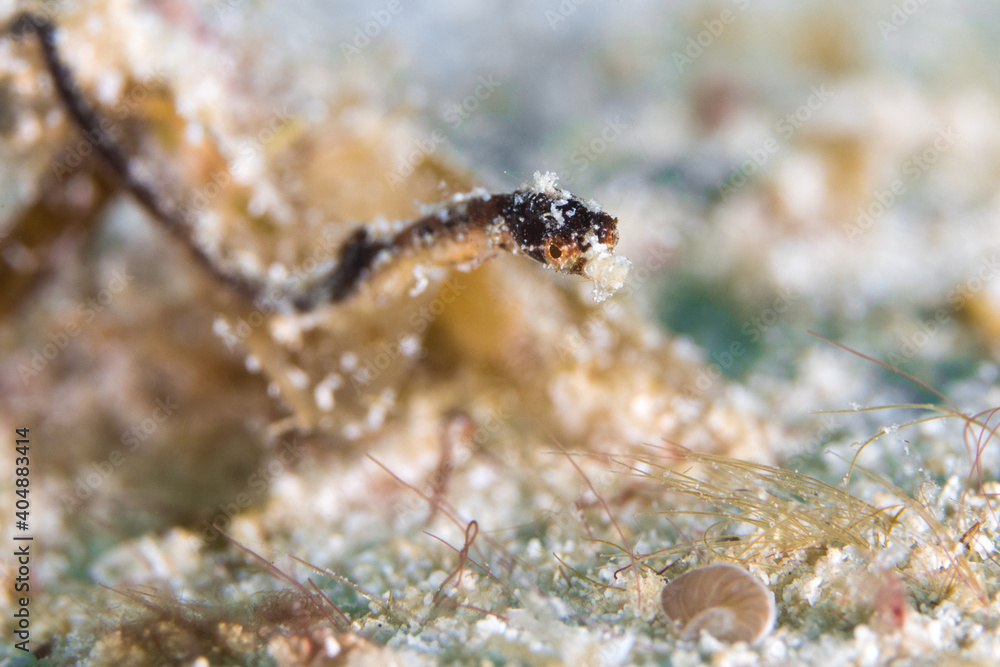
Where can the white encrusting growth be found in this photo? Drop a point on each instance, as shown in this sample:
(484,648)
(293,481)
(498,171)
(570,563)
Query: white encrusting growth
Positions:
(298,377)
(348,361)
(608,271)
(252,364)
(546,184)
(323,392)
(420,280)
(557,214)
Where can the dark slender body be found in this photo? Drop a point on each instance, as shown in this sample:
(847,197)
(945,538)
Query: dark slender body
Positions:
(540,220)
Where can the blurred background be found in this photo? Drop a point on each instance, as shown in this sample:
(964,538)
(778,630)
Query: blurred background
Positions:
(777,168)
(817,165)
(809,165)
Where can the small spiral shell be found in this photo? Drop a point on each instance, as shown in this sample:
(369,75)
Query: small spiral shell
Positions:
(726,601)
